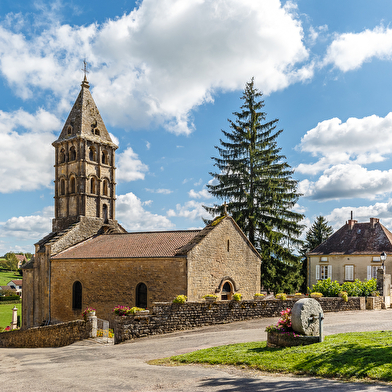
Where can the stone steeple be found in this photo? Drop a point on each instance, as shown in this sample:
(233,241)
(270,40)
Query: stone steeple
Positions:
(84,166)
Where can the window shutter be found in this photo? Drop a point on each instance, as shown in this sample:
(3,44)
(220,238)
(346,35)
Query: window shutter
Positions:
(349,272)
(330,271)
(369,272)
(317,272)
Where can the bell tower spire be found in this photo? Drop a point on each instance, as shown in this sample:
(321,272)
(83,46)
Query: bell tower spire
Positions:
(84,165)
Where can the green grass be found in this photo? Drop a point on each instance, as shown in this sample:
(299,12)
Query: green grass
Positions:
(6,313)
(6,276)
(351,356)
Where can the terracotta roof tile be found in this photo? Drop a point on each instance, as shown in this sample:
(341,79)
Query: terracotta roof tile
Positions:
(362,238)
(147,244)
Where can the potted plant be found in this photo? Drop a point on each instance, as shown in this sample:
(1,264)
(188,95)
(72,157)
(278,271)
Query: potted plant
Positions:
(258,296)
(281,296)
(88,312)
(237,297)
(180,299)
(210,297)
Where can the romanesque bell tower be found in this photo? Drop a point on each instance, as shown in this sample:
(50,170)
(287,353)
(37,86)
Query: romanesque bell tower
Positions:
(84,166)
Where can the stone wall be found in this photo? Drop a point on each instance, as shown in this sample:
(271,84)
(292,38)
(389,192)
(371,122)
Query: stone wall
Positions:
(168,317)
(56,335)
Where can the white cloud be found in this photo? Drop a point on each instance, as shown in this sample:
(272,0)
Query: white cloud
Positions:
(190,210)
(162,191)
(130,167)
(348,181)
(162,60)
(26,151)
(32,227)
(350,50)
(132,215)
(203,194)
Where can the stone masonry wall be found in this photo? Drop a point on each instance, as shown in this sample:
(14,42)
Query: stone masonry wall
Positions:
(168,317)
(57,335)
(223,253)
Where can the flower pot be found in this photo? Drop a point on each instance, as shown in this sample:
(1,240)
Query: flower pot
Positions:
(210,299)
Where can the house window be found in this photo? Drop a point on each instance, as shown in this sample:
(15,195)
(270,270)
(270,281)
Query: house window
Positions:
(105,159)
(62,156)
(323,272)
(372,271)
(141,295)
(349,273)
(77,296)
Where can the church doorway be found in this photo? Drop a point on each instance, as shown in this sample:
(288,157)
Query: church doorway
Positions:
(141,295)
(227,291)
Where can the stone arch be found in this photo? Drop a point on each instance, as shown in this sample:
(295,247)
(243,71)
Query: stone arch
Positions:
(72,154)
(141,295)
(62,187)
(105,157)
(92,155)
(93,185)
(62,155)
(77,295)
(105,187)
(227,288)
(72,184)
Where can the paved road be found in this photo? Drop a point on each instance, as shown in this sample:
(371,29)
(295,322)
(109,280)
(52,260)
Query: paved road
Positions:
(91,366)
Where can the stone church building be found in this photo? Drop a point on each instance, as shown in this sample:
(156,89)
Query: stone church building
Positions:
(89,260)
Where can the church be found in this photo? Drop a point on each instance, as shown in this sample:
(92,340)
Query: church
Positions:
(90,260)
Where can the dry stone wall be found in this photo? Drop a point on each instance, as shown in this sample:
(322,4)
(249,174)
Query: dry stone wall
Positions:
(57,335)
(168,317)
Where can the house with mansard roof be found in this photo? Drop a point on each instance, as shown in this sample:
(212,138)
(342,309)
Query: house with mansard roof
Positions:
(89,260)
(352,252)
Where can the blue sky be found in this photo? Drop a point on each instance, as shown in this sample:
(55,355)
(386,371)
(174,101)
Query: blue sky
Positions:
(167,74)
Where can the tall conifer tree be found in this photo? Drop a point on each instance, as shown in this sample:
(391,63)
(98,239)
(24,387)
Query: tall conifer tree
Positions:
(256,182)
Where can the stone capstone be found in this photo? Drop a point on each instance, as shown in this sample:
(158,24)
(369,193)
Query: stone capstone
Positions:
(305,316)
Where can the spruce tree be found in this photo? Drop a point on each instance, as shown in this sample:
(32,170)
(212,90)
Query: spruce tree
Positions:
(317,234)
(256,182)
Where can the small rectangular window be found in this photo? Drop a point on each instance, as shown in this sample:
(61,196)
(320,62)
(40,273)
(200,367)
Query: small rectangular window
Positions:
(376,258)
(324,259)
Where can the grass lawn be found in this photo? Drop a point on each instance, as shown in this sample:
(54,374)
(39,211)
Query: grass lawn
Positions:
(6,276)
(6,313)
(350,356)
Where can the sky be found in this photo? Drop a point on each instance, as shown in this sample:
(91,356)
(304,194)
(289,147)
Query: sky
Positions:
(166,76)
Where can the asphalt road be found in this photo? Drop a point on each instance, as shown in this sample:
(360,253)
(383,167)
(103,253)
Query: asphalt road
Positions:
(93,366)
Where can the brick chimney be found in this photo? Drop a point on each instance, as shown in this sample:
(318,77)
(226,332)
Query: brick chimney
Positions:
(351,222)
(373,221)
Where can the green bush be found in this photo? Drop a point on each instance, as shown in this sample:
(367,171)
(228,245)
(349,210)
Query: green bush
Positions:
(180,299)
(10,298)
(353,289)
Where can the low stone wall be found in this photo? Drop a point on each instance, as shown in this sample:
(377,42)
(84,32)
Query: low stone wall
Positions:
(56,335)
(168,317)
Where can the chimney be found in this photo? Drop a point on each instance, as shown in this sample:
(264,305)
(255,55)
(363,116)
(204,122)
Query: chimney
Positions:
(351,222)
(373,222)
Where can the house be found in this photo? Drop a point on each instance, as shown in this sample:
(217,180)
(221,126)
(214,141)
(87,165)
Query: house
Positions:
(352,252)
(16,285)
(89,260)
(21,260)
(6,290)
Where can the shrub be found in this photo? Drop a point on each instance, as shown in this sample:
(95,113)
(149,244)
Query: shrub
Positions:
(237,297)
(180,299)
(353,289)
(210,296)
(281,296)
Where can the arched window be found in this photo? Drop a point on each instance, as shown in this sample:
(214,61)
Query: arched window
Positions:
(62,186)
(92,154)
(228,245)
(105,160)
(93,185)
(62,156)
(72,185)
(141,295)
(72,154)
(77,296)
(105,187)
(105,213)
(69,130)
(227,291)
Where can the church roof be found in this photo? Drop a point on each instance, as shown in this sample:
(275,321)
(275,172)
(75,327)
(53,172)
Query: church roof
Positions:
(84,120)
(130,245)
(357,238)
